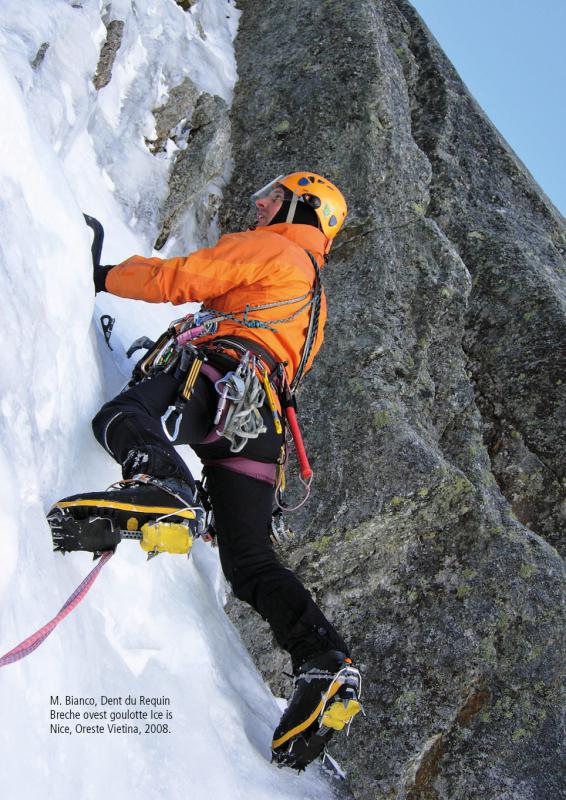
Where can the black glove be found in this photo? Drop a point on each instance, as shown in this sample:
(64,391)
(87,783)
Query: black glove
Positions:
(99,275)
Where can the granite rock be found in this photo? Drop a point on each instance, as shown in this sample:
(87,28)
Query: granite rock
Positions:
(434,415)
(203,159)
(114,34)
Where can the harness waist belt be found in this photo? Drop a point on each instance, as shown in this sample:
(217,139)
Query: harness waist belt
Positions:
(245,466)
(241,344)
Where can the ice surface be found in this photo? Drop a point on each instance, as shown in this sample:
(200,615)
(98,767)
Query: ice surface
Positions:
(155,629)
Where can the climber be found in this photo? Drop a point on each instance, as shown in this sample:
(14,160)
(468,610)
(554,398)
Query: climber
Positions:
(260,284)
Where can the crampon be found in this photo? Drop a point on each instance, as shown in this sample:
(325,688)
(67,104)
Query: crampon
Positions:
(141,509)
(314,716)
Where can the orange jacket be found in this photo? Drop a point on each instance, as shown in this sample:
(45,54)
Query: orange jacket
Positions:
(255,267)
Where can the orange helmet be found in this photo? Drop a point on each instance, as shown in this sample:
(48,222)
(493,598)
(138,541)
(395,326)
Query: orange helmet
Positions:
(326,200)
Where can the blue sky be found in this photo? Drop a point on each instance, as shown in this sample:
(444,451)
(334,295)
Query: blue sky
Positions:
(511,54)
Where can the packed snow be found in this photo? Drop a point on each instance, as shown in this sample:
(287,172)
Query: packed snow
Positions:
(152,630)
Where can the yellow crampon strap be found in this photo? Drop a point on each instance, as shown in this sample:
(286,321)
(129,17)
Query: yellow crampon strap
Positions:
(166,537)
(340,713)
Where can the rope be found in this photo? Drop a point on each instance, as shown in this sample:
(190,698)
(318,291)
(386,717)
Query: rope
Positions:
(209,318)
(258,323)
(314,303)
(29,645)
(313,325)
(316,293)
(246,395)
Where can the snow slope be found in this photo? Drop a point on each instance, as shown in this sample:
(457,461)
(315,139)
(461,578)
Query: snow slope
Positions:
(154,629)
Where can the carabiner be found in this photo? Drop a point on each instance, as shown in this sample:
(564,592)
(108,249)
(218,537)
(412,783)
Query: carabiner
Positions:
(171,410)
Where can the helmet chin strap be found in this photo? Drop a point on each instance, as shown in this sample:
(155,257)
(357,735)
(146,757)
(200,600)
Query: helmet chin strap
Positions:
(292,207)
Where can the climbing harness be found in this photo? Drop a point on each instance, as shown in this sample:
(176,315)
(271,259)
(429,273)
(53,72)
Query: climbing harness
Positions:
(258,379)
(242,393)
(165,354)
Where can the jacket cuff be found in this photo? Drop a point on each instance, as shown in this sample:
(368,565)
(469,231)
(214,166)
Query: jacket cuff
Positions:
(100,274)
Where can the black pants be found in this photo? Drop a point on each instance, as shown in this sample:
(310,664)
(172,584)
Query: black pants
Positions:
(129,428)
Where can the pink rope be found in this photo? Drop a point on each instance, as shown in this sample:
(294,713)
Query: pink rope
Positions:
(28,645)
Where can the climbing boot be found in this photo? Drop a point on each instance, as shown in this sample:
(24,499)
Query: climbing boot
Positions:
(161,513)
(325,699)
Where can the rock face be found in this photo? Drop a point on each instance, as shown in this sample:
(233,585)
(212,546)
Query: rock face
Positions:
(205,137)
(172,119)
(115,31)
(435,414)
(192,128)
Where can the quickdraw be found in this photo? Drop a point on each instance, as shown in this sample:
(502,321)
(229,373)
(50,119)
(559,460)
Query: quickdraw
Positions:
(175,411)
(164,354)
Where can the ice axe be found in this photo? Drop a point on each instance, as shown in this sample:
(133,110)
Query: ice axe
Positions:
(97,240)
(106,321)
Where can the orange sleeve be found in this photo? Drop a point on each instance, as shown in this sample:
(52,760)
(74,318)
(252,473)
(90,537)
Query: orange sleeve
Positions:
(208,272)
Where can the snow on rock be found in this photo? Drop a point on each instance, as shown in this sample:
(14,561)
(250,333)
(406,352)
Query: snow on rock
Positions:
(158,629)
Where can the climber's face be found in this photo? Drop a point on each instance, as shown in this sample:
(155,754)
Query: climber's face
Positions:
(268,205)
